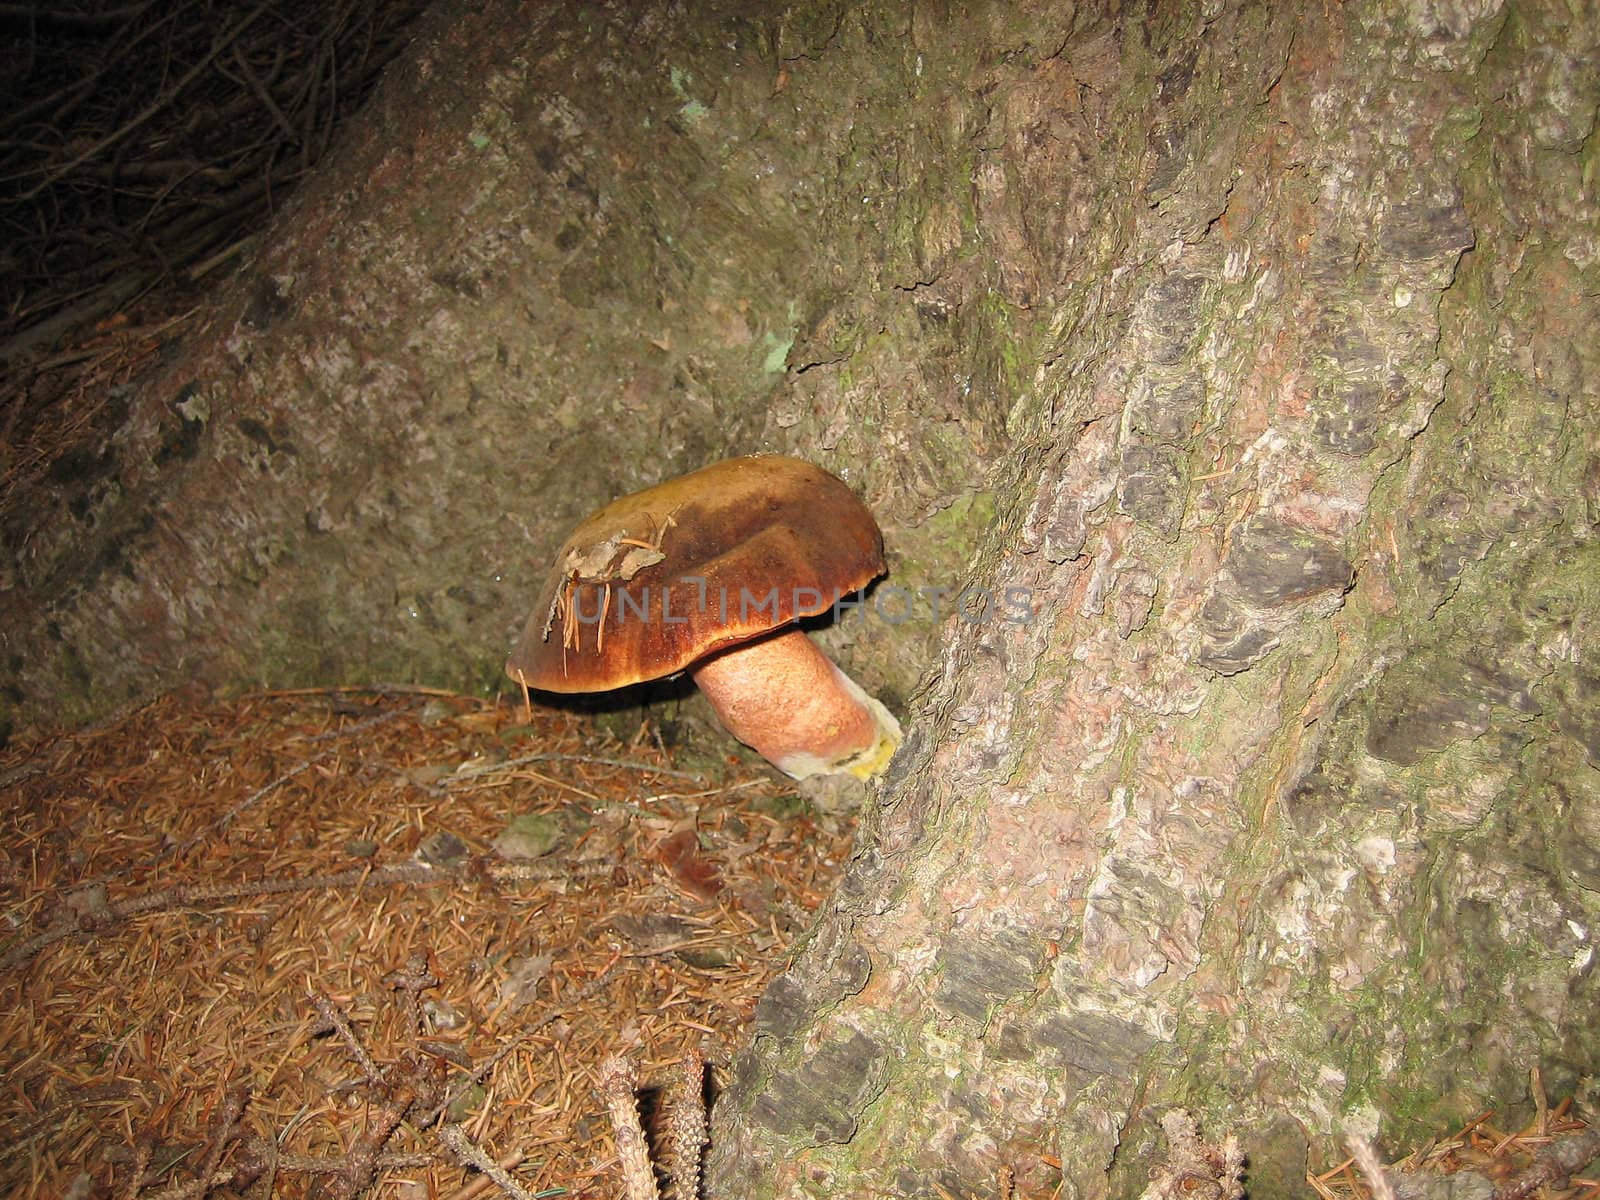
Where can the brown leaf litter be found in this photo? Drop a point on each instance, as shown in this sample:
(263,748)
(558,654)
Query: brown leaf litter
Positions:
(1541,1158)
(285,946)
(256,946)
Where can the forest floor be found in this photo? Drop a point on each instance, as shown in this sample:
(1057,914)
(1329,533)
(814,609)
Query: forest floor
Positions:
(335,942)
(241,937)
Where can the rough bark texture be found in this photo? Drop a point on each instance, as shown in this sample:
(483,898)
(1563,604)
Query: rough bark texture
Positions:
(1255,342)
(1285,807)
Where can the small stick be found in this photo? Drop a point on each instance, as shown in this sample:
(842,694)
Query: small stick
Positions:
(411,981)
(391,1160)
(470,1154)
(1321,1188)
(335,1018)
(201,269)
(308,1164)
(345,731)
(362,1162)
(226,818)
(478,1186)
(622,764)
(227,39)
(362,689)
(261,1157)
(199,895)
(143,1151)
(227,1117)
(1555,1163)
(195,1188)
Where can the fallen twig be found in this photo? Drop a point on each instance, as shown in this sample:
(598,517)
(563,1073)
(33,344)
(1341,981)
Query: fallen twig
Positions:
(362,1161)
(1554,1164)
(469,1154)
(340,1024)
(469,773)
(102,915)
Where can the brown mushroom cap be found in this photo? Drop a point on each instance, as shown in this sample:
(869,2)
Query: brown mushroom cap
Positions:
(773,538)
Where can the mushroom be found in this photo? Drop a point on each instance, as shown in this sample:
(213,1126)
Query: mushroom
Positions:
(711,573)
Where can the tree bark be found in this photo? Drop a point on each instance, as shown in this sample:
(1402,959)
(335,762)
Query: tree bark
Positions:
(1247,349)
(1284,808)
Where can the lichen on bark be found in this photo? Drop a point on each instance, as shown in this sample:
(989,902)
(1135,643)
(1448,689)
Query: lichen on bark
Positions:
(1263,815)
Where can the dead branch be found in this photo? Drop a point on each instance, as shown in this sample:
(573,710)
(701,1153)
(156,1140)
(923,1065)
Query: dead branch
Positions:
(258,1154)
(469,773)
(227,1118)
(225,40)
(143,1151)
(411,981)
(469,1154)
(340,1024)
(1554,1165)
(97,916)
(362,1162)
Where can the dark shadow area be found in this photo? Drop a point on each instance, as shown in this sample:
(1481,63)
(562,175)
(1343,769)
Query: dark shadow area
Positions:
(146,144)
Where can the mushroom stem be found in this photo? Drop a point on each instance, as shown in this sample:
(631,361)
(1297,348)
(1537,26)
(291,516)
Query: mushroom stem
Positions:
(783,698)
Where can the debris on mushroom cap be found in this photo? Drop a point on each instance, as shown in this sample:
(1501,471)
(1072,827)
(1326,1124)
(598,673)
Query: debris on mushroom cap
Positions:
(654,581)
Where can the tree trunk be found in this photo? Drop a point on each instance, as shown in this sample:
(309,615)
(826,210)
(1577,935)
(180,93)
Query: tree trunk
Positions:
(1285,806)
(1247,351)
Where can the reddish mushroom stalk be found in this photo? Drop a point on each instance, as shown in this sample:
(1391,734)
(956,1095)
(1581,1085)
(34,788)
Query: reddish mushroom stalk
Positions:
(783,698)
